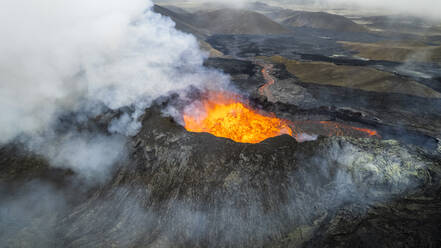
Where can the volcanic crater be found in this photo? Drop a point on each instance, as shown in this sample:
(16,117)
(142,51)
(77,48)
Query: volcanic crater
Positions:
(292,153)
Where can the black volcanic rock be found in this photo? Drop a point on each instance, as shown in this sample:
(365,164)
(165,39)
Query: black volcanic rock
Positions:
(182,189)
(245,74)
(196,190)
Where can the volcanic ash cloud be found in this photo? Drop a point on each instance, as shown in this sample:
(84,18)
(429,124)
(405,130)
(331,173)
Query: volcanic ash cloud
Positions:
(86,57)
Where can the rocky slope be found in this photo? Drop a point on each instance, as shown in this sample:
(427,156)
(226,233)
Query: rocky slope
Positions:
(401,23)
(183,21)
(222,21)
(397,51)
(233,21)
(322,20)
(356,77)
(296,18)
(184,189)
(398,113)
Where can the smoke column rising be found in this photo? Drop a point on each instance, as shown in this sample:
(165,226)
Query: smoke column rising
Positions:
(86,57)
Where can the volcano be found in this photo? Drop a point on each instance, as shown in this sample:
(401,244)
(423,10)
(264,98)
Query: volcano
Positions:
(283,133)
(225,115)
(190,189)
(201,184)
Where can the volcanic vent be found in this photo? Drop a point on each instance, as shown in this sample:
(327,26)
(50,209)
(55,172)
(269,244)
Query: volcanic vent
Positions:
(228,115)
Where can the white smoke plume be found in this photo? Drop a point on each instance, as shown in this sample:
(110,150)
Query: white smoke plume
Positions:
(83,57)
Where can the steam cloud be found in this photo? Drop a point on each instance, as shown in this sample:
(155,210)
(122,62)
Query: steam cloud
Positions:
(84,58)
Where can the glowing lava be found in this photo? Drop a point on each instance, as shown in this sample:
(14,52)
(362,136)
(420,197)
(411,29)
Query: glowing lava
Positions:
(227,115)
(264,90)
(223,115)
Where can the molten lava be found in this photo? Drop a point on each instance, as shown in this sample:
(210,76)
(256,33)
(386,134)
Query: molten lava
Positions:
(264,90)
(224,115)
(227,115)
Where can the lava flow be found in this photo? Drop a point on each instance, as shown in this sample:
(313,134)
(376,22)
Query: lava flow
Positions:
(227,115)
(224,115)
(264,90)
(330,128)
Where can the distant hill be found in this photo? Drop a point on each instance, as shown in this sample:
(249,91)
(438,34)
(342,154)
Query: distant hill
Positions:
(233,21)
(322,20)
(262,7)
(177,10)
(222,21)
(293,18)
(182,19)
(397,23)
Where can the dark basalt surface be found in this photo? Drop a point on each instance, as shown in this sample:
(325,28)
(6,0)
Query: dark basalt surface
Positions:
(182,189)
(398,113)
(303,41)
(321,45)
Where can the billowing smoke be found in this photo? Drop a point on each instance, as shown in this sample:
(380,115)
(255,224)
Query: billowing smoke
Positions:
(82,59)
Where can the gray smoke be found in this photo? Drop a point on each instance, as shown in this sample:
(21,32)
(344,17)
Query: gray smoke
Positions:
(86,58)
(28,216)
